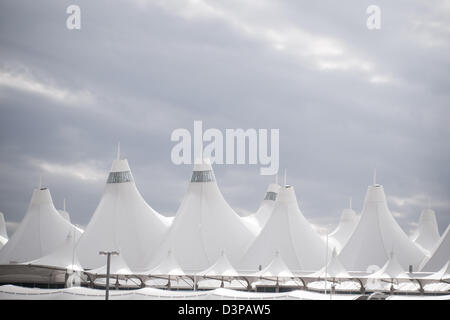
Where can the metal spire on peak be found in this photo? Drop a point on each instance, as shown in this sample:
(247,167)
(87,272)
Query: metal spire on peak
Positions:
(285,177)
(118,150)
(350,203)
(429,202)
(40,181)
(375,176)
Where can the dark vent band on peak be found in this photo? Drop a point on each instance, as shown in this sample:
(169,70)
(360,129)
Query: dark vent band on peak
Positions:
(202,176)
(271,196)
(119,177)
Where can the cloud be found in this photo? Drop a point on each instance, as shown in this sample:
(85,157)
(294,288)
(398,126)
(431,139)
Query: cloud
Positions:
(25,82)
(88,171)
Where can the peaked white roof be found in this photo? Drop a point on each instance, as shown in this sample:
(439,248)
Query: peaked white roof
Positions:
(376,234)
(440,255)
(3,232)
(122,222)
(334,269)
(41,232)
(64,257)
(427,236)
(277,268)
(262,215)
(391,270)
(118,266)
(288,232)
(345,228)
(204,223)
(221,268)
(168,267)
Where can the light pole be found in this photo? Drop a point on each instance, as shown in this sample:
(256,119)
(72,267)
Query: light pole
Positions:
(108,264)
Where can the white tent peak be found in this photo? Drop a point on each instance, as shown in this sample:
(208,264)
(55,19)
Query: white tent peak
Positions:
(221,268)
(287,231)
(392,269)
(203,223)
(202,164)
(168,267)
(427,233)
(376,233)
(118,150)
(122,221)
(42,231)
(277,268)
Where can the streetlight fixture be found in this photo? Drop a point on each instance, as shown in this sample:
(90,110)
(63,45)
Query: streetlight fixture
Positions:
(108,264)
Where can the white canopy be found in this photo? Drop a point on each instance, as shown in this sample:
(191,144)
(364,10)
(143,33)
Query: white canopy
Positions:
(204,224)
(277,268)
(288,232)
(3,232)
(440,255)
(334,269)
(376,234)
(427,235)
(64,257)
(262,215)
(344,230)
(41,232)
(118,266)
(221,268)
(122,222)
(168,267)
(391,270)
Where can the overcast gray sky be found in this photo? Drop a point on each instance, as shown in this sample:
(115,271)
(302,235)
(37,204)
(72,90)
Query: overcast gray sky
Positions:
(346,99)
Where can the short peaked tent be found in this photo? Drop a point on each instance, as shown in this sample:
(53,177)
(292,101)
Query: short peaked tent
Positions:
(3,233)
(427,235)
(42,231)
(376,234)
(122,222)
(344,230)
(440,255)
(204,225)
(262,215)
(64,257)
(288,232)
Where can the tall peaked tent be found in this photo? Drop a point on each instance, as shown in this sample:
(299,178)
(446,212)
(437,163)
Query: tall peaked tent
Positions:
(288,232)
(122,222)
(427,235)
(204,224)
(344,230)
(440,255)
(42,231)
(262,215)
(3,232)
(376,235)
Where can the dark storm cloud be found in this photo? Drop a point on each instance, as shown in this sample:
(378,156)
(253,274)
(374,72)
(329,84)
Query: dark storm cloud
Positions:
(346,99)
